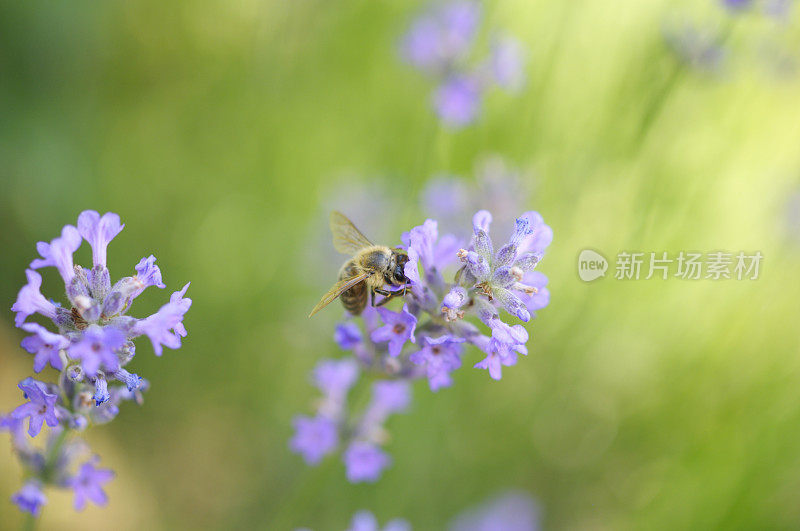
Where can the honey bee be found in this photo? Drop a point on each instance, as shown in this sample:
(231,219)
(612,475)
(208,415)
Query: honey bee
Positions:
(370,269)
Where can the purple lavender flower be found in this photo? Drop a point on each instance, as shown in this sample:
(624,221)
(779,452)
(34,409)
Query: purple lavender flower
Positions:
(166,326)
(398,329)
(441,37)
(58,253)
(489,278)
(365,462)
(335,377)
(539,298)
(498,354)
(17,430)
(457,101)
(366,521)
(737,5)
(30,498)
(347,335)
(148,273)
(99,231)
(96,349)
(512,511)
(45,346)
(440,357)
(88,484)
(314,438)
(91,344)
(499,275)
(40,408)
(30,300)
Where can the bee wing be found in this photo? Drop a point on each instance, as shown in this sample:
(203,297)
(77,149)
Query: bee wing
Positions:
(337,289)
(346,237)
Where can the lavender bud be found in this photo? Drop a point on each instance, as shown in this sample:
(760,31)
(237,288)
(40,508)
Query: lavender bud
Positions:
(92,313)
(482,244)
(78,287)
(503,277)
(113,303)
(101,390)
(478,266)
(79,423)
(528,261)
(505,255)
(75,373)
(131,381)
(100,283)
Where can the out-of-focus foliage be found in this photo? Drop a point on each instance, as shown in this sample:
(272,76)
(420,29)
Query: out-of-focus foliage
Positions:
(221,131)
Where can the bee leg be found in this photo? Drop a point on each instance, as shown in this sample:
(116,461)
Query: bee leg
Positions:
(389,295)
(379,292)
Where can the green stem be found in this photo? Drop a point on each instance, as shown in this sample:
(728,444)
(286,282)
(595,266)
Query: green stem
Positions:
(29,523)
(52,456)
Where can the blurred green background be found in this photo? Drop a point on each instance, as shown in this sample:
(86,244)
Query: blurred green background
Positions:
(218,130)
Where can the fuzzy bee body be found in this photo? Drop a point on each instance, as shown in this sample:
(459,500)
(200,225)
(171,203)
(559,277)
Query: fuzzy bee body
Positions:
(354,299)
(370,269)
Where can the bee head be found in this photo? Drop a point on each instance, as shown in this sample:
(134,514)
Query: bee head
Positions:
(398,273)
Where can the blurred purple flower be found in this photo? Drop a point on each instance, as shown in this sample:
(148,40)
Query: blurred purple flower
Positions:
(30,498)
(440,357)
(347,335)
(335,377)
(737,5)
(507,63)
(512,511)
(457,101)
(88,484)
(442,36)
(365,462)
(366,521)
(314,438)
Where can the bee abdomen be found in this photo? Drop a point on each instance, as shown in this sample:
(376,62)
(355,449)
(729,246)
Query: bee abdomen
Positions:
(354,300)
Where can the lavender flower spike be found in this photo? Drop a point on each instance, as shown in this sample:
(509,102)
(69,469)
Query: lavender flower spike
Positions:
(443,313)
(91,345)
